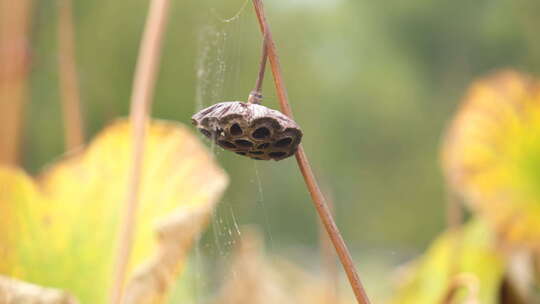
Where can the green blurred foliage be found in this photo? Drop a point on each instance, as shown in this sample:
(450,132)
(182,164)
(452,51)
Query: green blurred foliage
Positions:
(372,84)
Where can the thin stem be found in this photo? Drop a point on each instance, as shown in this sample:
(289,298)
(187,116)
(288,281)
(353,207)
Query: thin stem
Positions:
(262,65)
(69,84)
(14,72)
(274,61)
(454,222)
(328,256)
(454,212)
(303,163)
(331,227)
(458,282)
(256,95)
(141,99)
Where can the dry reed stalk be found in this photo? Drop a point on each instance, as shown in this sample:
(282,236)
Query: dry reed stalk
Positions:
(14,58)
(141,99)
(454,211)
(305,167)
(69,84)
(454,223)
(328,257)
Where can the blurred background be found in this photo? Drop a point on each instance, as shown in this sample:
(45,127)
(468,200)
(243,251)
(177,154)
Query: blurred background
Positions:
(372,84)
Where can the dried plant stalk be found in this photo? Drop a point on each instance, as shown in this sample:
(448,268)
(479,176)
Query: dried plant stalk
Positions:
(14,58)
(305,167)
(466,281)
(69,84)
(454,223)
(329,261)
(141,99)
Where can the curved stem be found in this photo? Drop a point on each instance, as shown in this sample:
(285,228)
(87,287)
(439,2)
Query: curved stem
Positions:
(141,99)
(262,66)
(328,257)
(305,167)
(69,83)
(15,59)
(256,95)
(454,222)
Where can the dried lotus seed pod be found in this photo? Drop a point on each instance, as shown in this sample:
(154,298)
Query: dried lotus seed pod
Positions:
(249,129)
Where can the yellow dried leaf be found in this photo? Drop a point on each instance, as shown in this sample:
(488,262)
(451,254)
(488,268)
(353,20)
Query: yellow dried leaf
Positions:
(466,256)
(61,230)
(491,154)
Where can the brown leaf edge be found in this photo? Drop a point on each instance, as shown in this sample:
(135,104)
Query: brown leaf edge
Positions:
(14,291)
(152,280)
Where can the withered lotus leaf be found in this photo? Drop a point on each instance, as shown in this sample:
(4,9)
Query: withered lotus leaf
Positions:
(491,154)
(60,229)
(468,255)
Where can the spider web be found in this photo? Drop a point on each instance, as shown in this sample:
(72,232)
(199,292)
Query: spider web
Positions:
(219,68)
